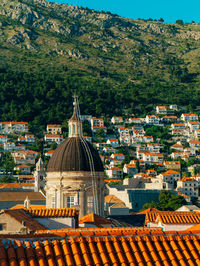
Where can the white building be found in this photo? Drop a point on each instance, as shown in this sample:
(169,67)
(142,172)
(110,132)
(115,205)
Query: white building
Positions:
(152,119)
(13,127)
(53,138)
(188,186)
(118,156)
(115,173)
(112,142)
(97,122)
(117,119)
(54,129)
(161,110)
(189,117)
(3,138)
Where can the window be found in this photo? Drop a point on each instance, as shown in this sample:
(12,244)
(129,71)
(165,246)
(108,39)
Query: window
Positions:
(2,227)
(53,202)
(90,203)
(73,129)
(70,201)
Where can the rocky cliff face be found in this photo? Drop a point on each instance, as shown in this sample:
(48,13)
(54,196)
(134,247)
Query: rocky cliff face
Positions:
(94,37)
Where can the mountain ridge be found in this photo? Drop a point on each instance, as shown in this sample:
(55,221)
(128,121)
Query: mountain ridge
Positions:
(130,62)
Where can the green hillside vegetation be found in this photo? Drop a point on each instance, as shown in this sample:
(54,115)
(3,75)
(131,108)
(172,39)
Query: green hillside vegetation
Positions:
(49,51)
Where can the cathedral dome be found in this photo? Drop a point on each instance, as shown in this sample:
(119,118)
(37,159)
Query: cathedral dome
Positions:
(73,155)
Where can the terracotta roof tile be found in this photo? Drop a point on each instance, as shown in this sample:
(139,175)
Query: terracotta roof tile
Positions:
(94,219)
(170,248)
(51,212)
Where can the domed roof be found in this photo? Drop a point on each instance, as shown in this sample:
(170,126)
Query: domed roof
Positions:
(72,155)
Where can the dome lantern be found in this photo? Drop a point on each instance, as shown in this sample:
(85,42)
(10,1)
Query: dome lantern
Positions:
(75,124)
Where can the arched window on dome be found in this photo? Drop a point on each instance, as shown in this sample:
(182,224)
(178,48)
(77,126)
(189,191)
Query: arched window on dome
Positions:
(53,202)
(73,129)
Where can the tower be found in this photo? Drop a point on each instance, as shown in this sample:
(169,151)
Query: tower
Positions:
(75,173)
(39,175)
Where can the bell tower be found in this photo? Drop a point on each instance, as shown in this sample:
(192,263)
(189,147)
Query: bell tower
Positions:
(39,175)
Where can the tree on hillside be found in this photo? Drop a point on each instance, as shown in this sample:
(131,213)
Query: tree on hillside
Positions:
(167,202)
(7,162)
(158,132)
(161,20)
(180,22)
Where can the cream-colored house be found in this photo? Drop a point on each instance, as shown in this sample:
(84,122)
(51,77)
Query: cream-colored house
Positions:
(54,129)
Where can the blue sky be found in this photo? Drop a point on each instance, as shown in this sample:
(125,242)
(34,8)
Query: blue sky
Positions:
(169,10)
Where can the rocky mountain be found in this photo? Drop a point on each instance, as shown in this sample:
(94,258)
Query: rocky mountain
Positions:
(137,61)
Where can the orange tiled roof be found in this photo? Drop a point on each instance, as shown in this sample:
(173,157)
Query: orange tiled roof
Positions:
(112,180)
(172,162)
(21,206)
(189,114)
(22,165)
(27,184)
(115,169)
(188,179)
(15,123)
(29,177)
(51,151)
(52,136)
(99,127)
(53,212)
(10,185)
(133,248)
(111,199)
(93,218)
(148,210)
(194,228)
(170,116)
(54,125)
(171,172)
(94,118)
(180,218)
(173,217)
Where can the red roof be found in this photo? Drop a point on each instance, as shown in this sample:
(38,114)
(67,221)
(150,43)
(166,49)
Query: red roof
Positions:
(115,168)
(189,114)
(121,246)
(95,219)
(54,125)
(52,136)
(13,123)
(53,212)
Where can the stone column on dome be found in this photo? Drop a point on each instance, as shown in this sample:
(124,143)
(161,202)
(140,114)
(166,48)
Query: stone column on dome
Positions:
(59,198)
(82,203)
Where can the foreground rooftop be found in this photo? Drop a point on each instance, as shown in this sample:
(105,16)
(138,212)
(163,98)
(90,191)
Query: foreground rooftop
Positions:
(119,246)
